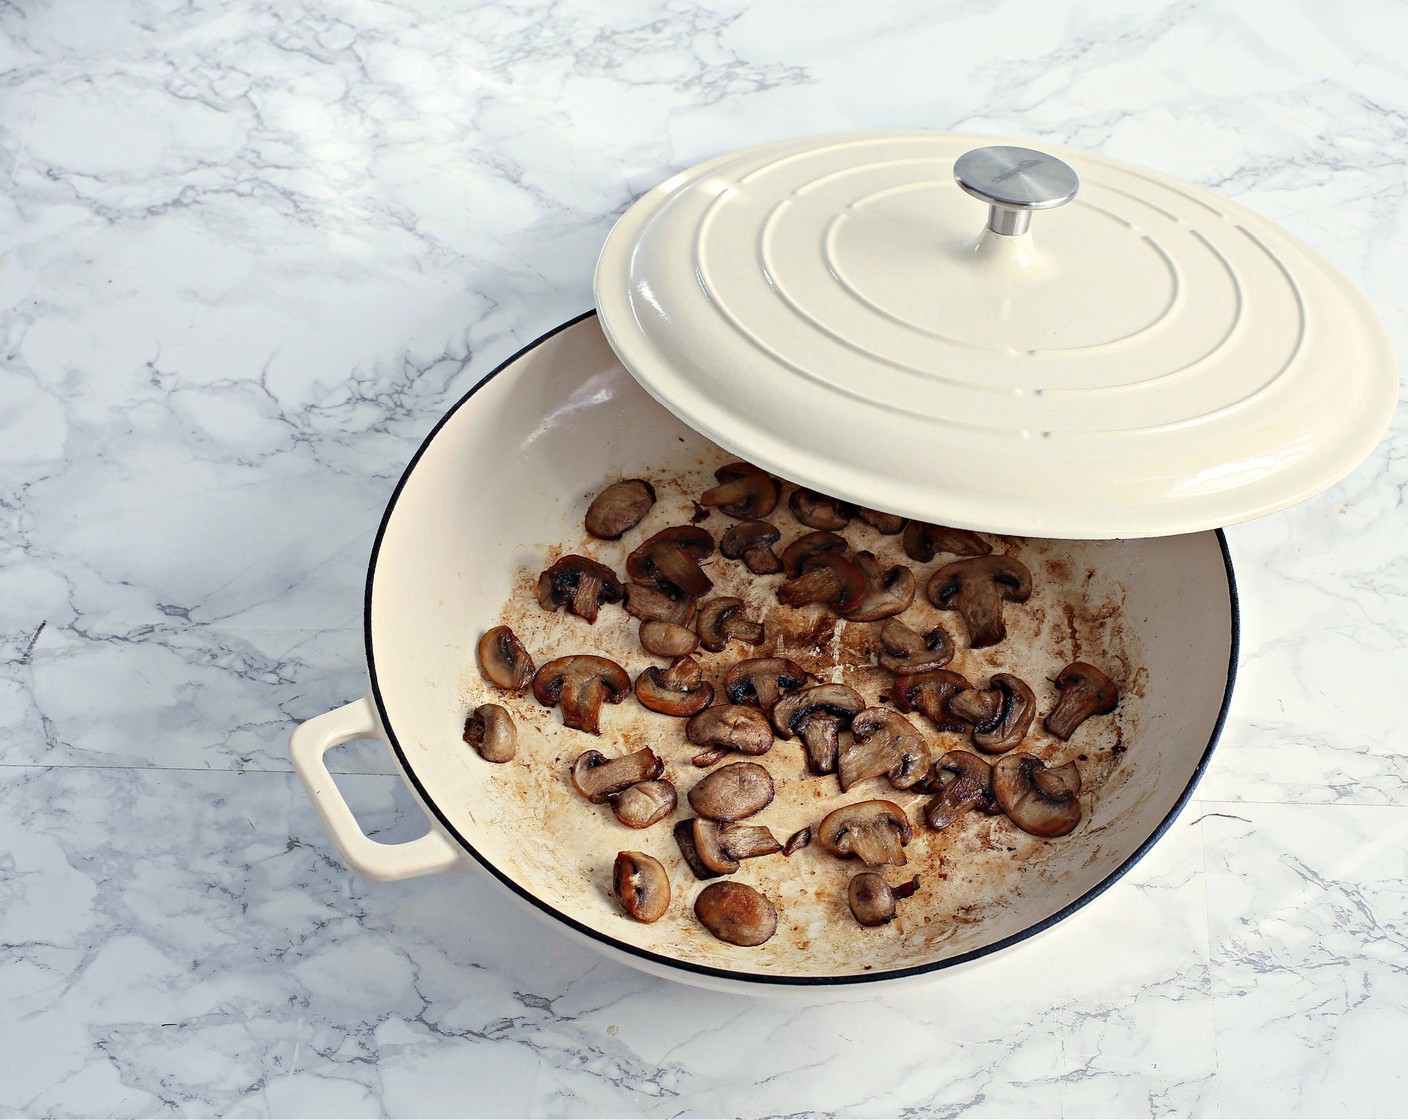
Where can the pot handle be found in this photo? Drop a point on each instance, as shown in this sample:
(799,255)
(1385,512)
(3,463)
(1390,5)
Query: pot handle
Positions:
(429,855)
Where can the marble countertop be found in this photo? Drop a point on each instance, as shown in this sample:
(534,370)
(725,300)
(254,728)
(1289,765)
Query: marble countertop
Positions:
(250,253)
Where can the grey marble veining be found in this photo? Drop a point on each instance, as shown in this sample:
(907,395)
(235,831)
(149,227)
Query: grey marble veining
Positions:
(250,254)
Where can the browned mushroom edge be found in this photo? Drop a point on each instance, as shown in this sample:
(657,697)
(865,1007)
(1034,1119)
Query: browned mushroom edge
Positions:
(598,778)
(621,506)
(503,660)
(680,690)
(1085,692)
(761,681)
(490,730)
(903,651)
(1039,800)
(1001,714)
(705,834)
(580,684)
(807,546)
(874,832)
(743,491)
(964,782)
(798,840)
(888,591)
(929,693)
(732,792)
(819,511)
(671,559)
(643,804)
(884,743)
(751,542)
(640,885)
(976,588)
(580,584)
(722,620)
(732,727)
(818,715)
(736,913)
(828,578)
(923,541)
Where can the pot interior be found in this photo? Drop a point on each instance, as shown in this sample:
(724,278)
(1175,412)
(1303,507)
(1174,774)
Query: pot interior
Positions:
(500,489)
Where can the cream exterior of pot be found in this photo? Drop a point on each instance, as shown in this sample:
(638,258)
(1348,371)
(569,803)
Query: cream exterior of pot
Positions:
(1148,359)
(505,477)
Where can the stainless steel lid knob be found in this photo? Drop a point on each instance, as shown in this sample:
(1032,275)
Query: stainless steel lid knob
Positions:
(1014,182)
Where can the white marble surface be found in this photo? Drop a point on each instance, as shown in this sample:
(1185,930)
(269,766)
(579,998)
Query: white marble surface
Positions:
(249,254)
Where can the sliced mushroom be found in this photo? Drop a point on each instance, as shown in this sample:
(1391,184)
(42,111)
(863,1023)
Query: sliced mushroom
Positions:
(818,715)
(751,542)
(503,660)
(884,743)
(647,603)
(684,837)
(670,559)
(736,913)
(732,792)
(667,639)
(976,588)
(721,620)
(680,690)
(1000,714)
(1041,801)
(743,491)
(923,541)
(748,841)
(818,511)
(797,841)
(706,759)
(1085,692)
(807,546)
(599,778)
(965,782)
(760,681)
(581,683)
(871,900)
(580,584)
(730,726)
(875,832)
(888,591)
(826,578)
(489,730)
(902,651)
(641,885)
(930,692)
(641,805)
(887,524)
(619,507)
(710,851)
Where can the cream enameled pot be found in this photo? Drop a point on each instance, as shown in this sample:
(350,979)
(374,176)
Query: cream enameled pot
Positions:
(548,427)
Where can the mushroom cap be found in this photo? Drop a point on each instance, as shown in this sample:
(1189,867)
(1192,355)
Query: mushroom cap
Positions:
(619,507)
(886,524)
(667,639)
(640,885)
(888,591)
(721,619)
(809,545)
(736,913)
(503,659)
(734,726)
(761,681)
(828,578)
(646,603)
(670,559)
(732,792)
(884,742)
(684,837)
(872,831)
(641,805)
(680,690)
(871,900)
(923,541)
(579,583)
(904,652)
(929,692)
(976,588)
(581,683)
(490,730)
(835,702)
(599,778)
(1001,714)
(819,511)
(1038,800)
(964,781)
(745,535)
(744,491)
(709,849)
(1085,692)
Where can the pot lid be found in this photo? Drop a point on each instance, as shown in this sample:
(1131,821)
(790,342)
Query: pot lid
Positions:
(885,318)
